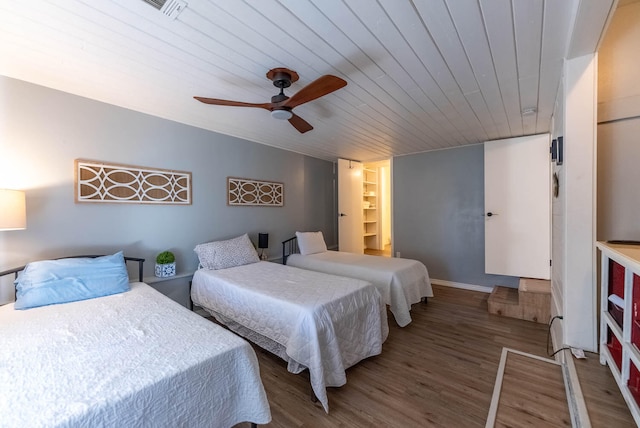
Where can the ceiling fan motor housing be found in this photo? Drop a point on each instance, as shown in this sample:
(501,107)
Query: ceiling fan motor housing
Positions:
(282,80)
(279,98)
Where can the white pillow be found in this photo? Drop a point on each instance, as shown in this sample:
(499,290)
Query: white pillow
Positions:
(225,254)
(311,243)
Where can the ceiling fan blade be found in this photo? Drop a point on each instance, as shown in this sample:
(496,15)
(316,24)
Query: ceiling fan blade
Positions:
(320,87)
(215,101)
(300,124)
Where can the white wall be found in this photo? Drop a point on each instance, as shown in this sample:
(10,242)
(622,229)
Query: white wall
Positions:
(42,131)
(577,179)
(619,127)
(619,66)
(618,180)
(558,216)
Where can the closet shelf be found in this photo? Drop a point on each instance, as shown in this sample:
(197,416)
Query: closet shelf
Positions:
(370,214)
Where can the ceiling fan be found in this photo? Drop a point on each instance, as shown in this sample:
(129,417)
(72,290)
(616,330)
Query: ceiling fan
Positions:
(281,105)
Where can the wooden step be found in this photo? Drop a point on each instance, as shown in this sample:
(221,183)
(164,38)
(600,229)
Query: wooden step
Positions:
(535,299)
(531,301)
(532,285)
(505,301)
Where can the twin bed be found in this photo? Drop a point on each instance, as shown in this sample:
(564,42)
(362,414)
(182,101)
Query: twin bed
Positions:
(323,323)
(128,358)
(401,282)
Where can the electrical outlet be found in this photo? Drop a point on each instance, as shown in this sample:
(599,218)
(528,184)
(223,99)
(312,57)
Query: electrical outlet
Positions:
(398,254)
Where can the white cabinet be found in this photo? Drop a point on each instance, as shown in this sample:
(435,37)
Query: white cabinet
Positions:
(620,319)
(370,205)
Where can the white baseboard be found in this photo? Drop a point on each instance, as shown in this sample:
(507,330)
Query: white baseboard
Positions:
(472,287)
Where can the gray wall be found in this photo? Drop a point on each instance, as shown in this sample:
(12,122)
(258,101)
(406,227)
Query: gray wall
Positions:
(438,214)
(42,131)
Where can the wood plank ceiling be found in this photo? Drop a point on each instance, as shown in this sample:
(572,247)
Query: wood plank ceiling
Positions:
(422,74)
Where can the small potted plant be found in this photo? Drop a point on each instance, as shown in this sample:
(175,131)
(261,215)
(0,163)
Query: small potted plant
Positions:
(165,264)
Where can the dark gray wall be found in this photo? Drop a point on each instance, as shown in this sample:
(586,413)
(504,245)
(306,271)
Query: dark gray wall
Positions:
(42,131)
(321,196)
(438,214)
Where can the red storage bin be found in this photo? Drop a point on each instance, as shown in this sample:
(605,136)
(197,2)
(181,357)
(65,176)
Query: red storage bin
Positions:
(635,333)
(617,313)
(615,348)
(635,315)
(616,279)
(634,382)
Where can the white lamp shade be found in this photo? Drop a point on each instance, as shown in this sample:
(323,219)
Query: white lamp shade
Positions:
(13,212)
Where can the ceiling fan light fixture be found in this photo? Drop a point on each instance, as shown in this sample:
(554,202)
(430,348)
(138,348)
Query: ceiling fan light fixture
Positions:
(281,105)
(281,114)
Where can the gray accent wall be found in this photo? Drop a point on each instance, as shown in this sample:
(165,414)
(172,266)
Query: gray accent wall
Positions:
(438,214)
(42,132)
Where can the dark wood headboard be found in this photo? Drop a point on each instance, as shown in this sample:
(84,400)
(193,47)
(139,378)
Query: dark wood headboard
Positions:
(290,246)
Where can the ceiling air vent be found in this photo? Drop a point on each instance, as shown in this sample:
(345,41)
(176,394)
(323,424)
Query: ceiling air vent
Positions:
(170,8)
(156,3)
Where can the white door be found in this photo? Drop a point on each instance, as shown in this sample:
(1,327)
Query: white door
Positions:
(350,236)
(517,202)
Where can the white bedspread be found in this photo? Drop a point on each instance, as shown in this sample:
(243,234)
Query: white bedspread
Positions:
(127,360)
(401,282)
(323,322)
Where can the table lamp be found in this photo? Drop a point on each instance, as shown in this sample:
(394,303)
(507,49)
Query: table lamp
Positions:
(263,242)
(13,213)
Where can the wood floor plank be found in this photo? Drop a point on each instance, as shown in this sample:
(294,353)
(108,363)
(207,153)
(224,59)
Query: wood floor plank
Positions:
(439,371)
(533,394)
(605,404)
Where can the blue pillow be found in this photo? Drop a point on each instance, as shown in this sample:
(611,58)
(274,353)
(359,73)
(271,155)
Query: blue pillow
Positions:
(49,282)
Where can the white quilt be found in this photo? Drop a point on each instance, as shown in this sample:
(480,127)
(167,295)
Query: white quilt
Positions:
(322,322)
(401,282)
(127,360)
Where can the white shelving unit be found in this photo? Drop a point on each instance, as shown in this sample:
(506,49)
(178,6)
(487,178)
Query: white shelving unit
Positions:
(620,319)
(371,232)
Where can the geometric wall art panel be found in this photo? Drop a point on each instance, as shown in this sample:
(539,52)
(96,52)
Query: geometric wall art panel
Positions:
(114,183)
(249,192)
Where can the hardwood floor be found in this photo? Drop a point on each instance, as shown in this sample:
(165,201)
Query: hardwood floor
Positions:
(532,393)
(385,253)
(604,401)
(438,371)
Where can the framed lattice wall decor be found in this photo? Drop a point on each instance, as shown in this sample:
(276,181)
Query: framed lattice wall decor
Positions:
(104,182)
(246,191)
